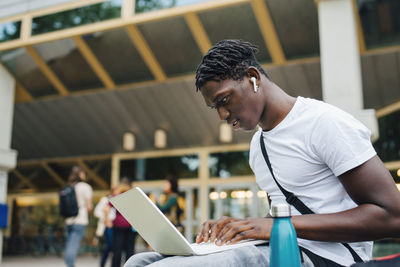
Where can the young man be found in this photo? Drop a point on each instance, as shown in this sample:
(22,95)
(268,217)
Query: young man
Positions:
(318,152)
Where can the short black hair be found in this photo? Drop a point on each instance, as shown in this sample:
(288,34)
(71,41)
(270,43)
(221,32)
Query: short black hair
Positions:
(227,59)
(173,181)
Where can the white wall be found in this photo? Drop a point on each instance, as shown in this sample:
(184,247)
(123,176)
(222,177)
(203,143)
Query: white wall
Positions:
(7,156)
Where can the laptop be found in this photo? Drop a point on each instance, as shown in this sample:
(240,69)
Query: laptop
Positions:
(155,228)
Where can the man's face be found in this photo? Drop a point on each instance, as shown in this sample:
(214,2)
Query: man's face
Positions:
(235,102)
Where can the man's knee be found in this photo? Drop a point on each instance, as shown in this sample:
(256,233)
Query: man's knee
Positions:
(143,259)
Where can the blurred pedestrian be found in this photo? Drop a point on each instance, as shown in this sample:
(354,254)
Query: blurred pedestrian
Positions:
(123,236)
(169,202)
(76,226)
(104,233)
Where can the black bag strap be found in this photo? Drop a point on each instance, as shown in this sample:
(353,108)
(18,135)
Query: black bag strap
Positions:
(292,199)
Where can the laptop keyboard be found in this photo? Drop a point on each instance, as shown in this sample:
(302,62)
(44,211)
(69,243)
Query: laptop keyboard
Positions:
(210,247)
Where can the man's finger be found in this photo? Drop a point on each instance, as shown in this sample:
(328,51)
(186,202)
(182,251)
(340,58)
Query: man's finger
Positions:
(218,226)
(203,234)
(231,230)
(242,236)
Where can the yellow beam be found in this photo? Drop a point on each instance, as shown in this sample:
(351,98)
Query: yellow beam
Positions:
(119,22)
(24,179)
(115,171)
(268,32)
(66,160)
(21,94)
(382,50)
(53,174)
(392,165)
(388,110)
(93,175)
(198,32)
(360,34)
(47,71)
(140,43)
(182,151)
(93,62)
(141,84)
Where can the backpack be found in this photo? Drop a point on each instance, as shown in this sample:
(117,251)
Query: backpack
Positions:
(68,205)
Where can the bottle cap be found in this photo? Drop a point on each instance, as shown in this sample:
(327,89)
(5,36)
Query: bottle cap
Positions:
(281,210)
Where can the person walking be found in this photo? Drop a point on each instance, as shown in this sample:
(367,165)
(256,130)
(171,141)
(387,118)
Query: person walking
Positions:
(104,233)
(76,226)
(169,204)
(123,235)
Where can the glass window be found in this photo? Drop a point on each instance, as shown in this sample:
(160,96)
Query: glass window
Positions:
(239,203)
(76,17)
(235,203)
(39,229)
(9,31)
(158,168)
(227,164)
(380,22)
(388,144)
(142,6)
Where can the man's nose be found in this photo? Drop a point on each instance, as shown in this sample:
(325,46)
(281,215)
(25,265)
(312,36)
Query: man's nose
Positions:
(223,113)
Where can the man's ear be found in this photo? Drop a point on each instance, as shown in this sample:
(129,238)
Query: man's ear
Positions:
(253,76)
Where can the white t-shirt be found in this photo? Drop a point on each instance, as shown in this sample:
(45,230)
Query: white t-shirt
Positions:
(308,150)
(84,194)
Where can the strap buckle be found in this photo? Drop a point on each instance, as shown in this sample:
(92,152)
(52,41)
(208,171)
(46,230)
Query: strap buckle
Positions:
(291,198)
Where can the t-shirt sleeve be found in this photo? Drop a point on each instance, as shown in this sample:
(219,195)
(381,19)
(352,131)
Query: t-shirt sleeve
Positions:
(341,141)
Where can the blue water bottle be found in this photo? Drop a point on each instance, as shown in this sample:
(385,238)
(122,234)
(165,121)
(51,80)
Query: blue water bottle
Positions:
(283,243)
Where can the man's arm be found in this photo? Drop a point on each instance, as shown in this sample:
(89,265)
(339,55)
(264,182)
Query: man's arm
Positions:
(371,186)
(89,194)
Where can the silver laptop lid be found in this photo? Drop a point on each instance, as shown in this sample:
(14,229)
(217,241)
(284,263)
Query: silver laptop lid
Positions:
(152,225)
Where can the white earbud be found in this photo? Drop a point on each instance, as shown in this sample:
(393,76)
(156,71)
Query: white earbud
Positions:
(253,79)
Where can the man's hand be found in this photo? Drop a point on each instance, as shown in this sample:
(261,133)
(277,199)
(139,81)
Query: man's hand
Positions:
(229,230)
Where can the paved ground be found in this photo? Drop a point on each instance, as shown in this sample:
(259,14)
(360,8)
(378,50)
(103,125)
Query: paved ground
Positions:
(53,261)
(85,260)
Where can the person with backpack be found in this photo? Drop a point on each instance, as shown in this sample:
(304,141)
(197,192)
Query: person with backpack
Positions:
(76,225)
